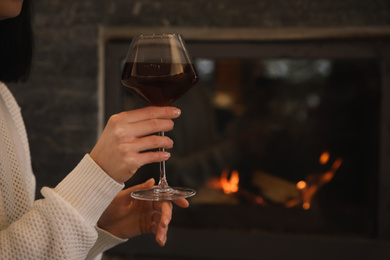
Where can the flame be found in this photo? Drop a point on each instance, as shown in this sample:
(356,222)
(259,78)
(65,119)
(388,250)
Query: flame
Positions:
(301,185)
(224,183)
(229,185)
(307,187)
(306,205)
(324,158)
(314,182)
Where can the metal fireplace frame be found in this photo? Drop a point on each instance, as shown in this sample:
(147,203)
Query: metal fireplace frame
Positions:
(183,243)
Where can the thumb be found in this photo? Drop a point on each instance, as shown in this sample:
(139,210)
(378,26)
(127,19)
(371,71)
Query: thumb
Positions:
(124,196)
(143,186)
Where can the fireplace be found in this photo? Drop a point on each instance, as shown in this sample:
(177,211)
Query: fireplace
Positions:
(285,138)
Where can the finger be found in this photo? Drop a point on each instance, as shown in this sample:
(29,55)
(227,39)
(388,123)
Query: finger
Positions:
(162,229)
(150,126)
(152,142)
(166,214)
(125,195)
(161,238)
(155,228)
(151,112)
(142,186)
(162,212)
(183,203)
(152,157)
(156,217)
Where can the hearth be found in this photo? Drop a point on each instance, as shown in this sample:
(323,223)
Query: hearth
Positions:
(286,142)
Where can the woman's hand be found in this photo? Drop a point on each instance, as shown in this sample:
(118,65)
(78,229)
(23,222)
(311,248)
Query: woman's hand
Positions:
(126,217)
(120,150)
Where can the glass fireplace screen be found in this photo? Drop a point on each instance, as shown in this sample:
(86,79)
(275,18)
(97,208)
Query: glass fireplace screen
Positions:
(274,143)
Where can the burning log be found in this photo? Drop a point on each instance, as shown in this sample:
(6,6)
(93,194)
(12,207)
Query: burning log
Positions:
(275,189)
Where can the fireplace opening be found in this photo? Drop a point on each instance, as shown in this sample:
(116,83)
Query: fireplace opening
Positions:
(302,137)
(299,135)
(281,138)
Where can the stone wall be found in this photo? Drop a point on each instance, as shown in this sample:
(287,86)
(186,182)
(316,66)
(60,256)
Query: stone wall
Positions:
(59,102)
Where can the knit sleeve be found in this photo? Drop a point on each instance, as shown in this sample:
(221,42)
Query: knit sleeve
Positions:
(62,225)
(104,242)
(88,189)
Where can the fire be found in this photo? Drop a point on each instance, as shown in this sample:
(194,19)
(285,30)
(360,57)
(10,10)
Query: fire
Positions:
(314,182)
(301,185)
(229,185)
(307,188)
(324,158)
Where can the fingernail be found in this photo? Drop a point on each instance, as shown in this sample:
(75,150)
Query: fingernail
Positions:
(166,155)
(150,180)
(166,222)
(176,111)
(162,240)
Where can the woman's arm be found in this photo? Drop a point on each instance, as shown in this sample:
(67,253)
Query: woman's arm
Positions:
(61,226)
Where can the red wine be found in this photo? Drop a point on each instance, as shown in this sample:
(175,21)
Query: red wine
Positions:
(159,84)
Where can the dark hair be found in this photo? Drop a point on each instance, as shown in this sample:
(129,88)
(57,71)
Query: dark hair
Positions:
(16,45)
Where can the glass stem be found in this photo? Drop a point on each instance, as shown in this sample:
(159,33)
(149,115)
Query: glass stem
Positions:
(162,184)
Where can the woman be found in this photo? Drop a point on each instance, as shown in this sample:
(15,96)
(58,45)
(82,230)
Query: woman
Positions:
(87,212)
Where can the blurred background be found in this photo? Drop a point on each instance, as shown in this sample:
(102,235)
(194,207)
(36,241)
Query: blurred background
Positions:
(292,108)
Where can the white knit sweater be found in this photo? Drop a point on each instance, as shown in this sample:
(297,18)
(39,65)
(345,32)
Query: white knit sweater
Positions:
(63,224)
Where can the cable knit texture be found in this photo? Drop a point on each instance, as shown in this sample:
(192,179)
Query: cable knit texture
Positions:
(63,224)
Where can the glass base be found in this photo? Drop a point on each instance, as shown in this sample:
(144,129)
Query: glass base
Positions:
(158,194)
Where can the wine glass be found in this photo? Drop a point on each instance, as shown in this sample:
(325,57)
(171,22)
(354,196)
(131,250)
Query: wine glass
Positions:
(159,69)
